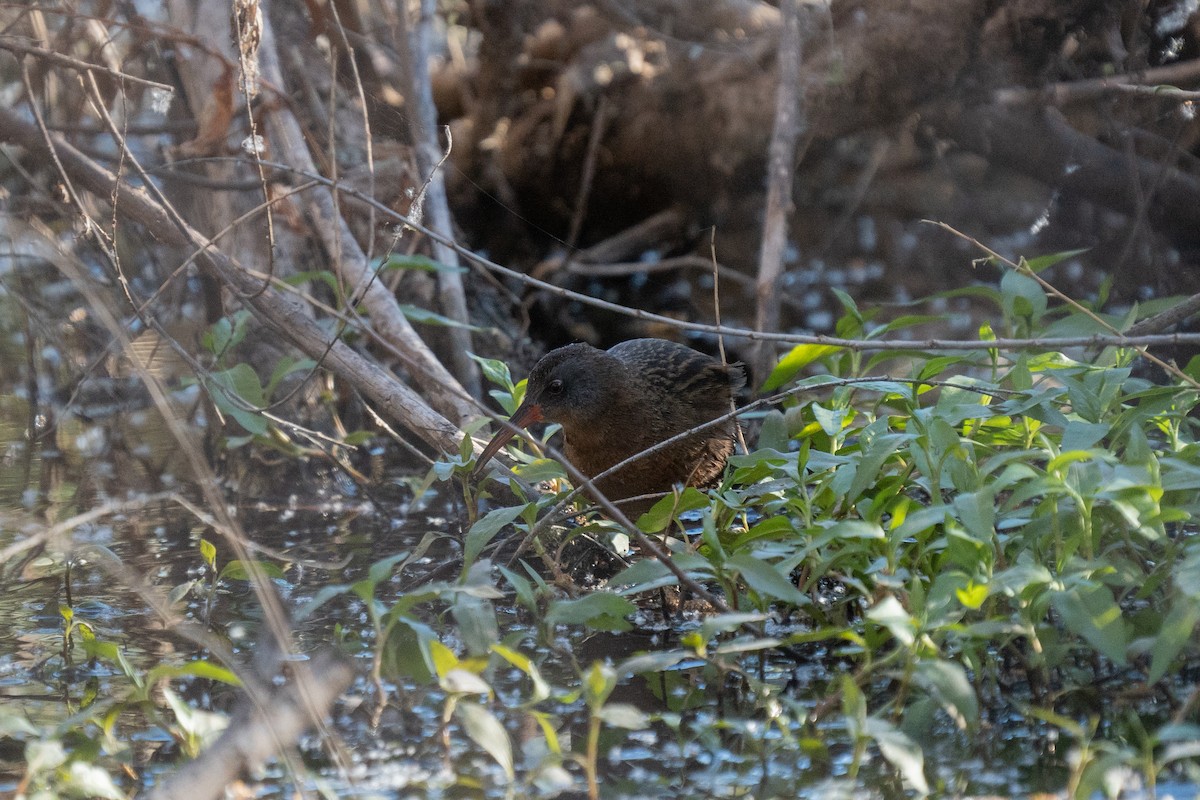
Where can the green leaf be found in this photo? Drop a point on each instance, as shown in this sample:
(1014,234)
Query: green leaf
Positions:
(972,595)
(417,263)
(901,752)
(831,420)
(476,621)
(602,611)
(1090,612)
(661,513)
(1083,435)
(460,681)
(723,623)
(890,614)
(407,650)
(977,512)
(323,596)
(648,663)
(196,669)
(495,370)
(1023,296)
(623,715)
(487,732)
(748,644)
(948,683)
(522,587)
(765,579)
(598,683)
(1174,635)
(774,432)
(242,571)
(643,575)
(219,337)
(541,689)
(381,570)
(485,529)
(878,450)
(444,659)
(1042,262)
(790,365)
(238,393)
(538,470)
(427,317)
(204,725)
(286,366)
(208,551)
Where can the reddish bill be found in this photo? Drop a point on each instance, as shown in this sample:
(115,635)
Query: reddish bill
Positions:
(526,414)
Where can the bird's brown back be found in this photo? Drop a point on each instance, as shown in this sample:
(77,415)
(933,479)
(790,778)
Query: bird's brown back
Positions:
(656,389)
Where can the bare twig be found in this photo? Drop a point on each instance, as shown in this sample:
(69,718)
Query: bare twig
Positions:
(599,125)
(716,276)
(789,122)
(1157,81)
(1054,292)
(16,45)
(255,734)
(414,48)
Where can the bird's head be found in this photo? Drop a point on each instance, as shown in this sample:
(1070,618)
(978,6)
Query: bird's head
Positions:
(572,386)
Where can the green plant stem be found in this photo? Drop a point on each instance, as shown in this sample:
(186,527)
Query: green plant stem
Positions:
(593,754)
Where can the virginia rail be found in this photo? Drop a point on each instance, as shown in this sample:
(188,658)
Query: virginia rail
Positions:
(615,403)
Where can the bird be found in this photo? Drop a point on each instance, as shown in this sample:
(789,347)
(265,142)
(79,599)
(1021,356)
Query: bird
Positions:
(615,403)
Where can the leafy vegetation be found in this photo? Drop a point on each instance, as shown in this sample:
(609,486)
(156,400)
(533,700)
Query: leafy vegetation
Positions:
(925,551)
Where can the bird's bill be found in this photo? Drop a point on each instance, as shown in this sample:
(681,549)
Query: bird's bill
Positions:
(526,414)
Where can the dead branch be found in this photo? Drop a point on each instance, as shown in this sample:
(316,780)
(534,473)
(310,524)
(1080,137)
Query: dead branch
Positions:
(415,53)
(789,123)
(1149,81)
(1166,319)
(260,732)
(284,314)
(16,45)
(443,391)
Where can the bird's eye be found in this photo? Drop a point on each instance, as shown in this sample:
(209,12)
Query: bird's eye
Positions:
(554,387)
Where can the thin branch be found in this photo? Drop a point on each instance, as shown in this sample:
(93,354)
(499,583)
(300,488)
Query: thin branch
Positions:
(1158,81)
(442,389)
(1043,145)
(256,734)
(1024,269)
(17,46)
(789,123)
(415,54)
(599,126)
(1172,316)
